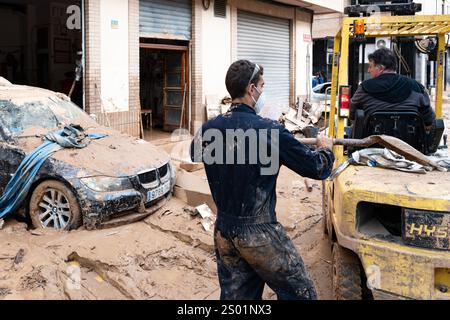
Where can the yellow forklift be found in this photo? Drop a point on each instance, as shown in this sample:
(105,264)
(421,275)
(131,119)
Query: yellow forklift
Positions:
(389,230)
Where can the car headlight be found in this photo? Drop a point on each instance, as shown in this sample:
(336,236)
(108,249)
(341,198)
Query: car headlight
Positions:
(107,184)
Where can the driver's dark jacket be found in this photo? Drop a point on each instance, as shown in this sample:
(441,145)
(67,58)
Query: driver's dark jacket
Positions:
(241,193)
(391,91)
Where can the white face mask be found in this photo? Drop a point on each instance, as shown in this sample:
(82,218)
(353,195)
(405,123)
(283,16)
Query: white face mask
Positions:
(259,104)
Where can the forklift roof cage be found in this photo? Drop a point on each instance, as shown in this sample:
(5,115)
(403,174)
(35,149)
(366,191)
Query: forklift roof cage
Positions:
(383,26)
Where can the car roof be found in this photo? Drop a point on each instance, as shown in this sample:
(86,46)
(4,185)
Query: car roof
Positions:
(320,85)
(9,91)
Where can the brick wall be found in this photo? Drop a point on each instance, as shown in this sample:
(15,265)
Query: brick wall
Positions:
(126,122)
(132,121)
(133,9)
(198,105)
(92,56)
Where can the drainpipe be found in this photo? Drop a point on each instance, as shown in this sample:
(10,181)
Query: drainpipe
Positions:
(308,73)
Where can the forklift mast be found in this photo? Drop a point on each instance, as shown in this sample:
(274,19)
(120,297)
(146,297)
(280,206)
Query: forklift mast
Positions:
(403,47)
(395,7)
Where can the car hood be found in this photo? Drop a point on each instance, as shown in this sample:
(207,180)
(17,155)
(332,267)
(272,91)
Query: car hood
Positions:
(115,155)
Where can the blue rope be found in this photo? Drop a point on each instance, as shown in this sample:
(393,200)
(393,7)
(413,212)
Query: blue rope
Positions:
(18,187)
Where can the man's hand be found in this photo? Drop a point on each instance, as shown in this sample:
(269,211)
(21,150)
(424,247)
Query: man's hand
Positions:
(324,142)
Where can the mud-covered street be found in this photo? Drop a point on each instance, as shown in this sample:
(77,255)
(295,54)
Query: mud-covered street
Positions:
(151,149)
(167,256)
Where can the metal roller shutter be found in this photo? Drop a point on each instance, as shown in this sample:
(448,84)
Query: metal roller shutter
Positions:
(171,17)
(265,40)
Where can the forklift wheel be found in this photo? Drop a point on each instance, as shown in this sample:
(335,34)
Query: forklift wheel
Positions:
(346,274)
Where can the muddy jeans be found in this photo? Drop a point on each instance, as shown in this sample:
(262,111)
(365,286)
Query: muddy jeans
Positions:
(250,256)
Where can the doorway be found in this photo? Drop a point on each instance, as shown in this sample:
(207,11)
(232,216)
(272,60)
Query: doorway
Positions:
(164,87)
(41,44)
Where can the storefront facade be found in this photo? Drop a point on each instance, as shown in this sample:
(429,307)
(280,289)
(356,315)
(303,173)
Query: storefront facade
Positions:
(177,52)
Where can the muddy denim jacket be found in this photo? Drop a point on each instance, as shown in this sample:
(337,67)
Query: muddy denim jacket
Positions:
(245,191)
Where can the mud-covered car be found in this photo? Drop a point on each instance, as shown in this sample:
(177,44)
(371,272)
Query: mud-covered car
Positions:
(113,180)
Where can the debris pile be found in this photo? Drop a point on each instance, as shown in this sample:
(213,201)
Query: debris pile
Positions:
(208,217)
(205,213)
(306,119)
(215,107)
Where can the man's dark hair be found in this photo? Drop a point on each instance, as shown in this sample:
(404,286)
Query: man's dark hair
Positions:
(384,57)
(238,77)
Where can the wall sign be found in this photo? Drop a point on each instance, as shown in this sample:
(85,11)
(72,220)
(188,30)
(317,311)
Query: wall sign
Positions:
(114,24)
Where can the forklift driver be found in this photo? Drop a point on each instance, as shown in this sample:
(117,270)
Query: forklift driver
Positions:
(389,90)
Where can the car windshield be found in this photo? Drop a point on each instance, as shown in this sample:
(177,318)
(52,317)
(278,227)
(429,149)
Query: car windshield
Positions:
(317,89)
(46,112)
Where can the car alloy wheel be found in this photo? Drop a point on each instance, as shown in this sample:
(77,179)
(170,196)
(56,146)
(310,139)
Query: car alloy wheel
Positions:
(54,205)
(55,210)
